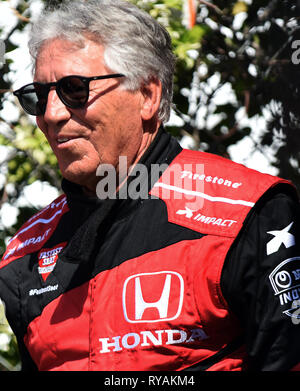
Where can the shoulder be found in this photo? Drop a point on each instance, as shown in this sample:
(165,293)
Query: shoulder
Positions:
(36,231)
(211,194)
(212,165)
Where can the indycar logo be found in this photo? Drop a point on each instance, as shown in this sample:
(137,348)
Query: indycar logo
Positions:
(285,281)
(142,303)
(47,259)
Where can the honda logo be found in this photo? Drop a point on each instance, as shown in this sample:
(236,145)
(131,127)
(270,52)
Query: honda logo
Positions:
(153,297)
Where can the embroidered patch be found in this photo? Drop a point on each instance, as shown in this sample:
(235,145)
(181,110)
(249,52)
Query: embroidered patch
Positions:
(47,258)
(285,281)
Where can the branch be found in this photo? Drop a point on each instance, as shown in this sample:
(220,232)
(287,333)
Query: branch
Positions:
(213,6)
(21,17)
(4,196)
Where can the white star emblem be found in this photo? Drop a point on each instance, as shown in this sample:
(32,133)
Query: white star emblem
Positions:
(187,212)
(280,237)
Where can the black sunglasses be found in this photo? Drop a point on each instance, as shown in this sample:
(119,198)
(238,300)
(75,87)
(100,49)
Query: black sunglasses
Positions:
(72,90)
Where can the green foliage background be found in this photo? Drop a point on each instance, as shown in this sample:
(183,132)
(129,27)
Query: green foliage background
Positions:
(254,59)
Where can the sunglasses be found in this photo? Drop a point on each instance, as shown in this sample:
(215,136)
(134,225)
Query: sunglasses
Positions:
(72,90)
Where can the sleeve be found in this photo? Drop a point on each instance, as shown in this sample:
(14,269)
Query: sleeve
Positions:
(261,282)
(9,294)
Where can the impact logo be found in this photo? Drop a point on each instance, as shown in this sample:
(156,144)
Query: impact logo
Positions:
(47,258)
(193,215)
(35,233)
(285,281)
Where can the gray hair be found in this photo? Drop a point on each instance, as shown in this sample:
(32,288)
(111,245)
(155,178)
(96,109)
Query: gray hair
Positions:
(134,43)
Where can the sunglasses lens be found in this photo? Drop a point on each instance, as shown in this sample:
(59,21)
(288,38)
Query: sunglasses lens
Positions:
(73,91)
(33,99)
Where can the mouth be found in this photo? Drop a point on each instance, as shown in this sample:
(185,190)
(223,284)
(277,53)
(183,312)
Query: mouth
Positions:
(66,140)
(62,140)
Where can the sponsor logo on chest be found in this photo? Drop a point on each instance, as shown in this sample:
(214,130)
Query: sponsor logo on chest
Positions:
(47,258)
(152,298)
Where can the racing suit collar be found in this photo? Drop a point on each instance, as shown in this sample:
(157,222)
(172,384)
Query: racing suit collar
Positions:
(153,153)
(94,214)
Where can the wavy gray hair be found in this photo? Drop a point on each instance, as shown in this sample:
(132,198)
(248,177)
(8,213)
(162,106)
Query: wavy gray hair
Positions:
(134,43)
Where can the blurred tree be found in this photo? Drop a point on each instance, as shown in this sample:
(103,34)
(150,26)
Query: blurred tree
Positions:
(241,51)
(236,60)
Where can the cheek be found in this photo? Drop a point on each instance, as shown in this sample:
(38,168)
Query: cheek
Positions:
(39,121)
(41,125)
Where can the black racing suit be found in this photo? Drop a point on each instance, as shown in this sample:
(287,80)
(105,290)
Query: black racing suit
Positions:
(106,243)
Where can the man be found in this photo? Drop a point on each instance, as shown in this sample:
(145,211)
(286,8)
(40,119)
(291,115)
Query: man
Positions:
(154,257)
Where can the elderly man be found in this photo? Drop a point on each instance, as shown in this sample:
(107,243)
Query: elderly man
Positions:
(189,261)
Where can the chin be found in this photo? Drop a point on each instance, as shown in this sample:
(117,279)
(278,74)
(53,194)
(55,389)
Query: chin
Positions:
(81,177)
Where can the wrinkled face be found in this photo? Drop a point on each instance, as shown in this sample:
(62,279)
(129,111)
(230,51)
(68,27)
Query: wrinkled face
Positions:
(110,125)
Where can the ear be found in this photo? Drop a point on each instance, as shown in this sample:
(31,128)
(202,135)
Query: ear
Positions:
(151,96)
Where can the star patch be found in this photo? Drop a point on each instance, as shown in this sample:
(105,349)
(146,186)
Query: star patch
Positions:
(280,237)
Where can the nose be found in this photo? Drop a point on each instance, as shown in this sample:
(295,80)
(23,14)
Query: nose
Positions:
(56,111)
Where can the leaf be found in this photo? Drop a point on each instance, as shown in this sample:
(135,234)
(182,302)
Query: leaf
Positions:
(195,34)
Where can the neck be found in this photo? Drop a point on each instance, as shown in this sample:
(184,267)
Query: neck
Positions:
(125,167)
